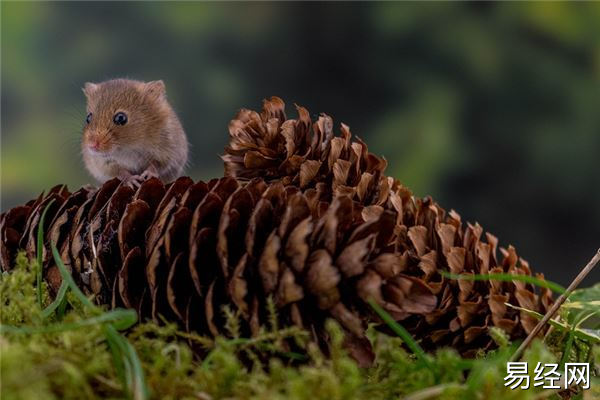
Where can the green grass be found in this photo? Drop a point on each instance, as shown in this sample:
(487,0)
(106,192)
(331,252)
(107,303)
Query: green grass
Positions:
(82,354)
(555,287)
(69,348)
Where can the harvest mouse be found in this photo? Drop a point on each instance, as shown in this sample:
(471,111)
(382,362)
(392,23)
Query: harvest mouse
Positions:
(131,132)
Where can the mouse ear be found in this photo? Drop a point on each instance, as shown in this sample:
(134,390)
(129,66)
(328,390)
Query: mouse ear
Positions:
(89,89)
(155,89)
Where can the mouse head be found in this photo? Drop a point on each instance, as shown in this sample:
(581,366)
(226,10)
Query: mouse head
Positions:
(122,113)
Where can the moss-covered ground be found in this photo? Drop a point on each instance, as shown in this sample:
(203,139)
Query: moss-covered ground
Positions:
(74,350)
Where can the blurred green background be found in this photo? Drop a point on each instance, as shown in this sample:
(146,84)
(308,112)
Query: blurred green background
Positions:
(493,109)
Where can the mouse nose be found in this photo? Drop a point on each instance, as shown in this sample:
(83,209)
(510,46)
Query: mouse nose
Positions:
(94,144)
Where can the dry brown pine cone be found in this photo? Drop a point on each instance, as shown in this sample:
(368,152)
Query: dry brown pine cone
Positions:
(305,154)
(320,246)
(309,155)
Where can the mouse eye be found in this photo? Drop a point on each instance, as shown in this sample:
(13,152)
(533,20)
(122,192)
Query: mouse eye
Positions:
(88,119)
(120,118)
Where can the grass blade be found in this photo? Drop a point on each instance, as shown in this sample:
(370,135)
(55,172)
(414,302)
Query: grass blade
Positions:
(567,350)
(582,305)
(121,318)
(132,371)
(60,313)
(140,390)
(60,297)
(40,253)
(402,333)
(555,287)
(66,276)
(580,333)
(118,362)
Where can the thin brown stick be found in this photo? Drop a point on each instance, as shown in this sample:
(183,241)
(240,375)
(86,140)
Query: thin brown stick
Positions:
(581,276)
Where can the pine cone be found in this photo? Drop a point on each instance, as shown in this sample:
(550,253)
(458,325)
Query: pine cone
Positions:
(320,245)
(184,250)
(305,154)
(308,154)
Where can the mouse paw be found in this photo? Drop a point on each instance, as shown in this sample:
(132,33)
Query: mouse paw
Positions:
(133,181)
(149,173)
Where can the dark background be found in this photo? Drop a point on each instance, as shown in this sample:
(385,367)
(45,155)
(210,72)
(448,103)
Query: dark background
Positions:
(493,109)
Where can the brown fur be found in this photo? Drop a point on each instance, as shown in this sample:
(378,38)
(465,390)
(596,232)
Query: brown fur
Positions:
(152,138)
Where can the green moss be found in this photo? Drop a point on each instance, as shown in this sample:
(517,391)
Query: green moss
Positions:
(77,363)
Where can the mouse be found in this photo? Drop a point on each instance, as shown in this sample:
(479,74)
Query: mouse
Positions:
(131,132)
